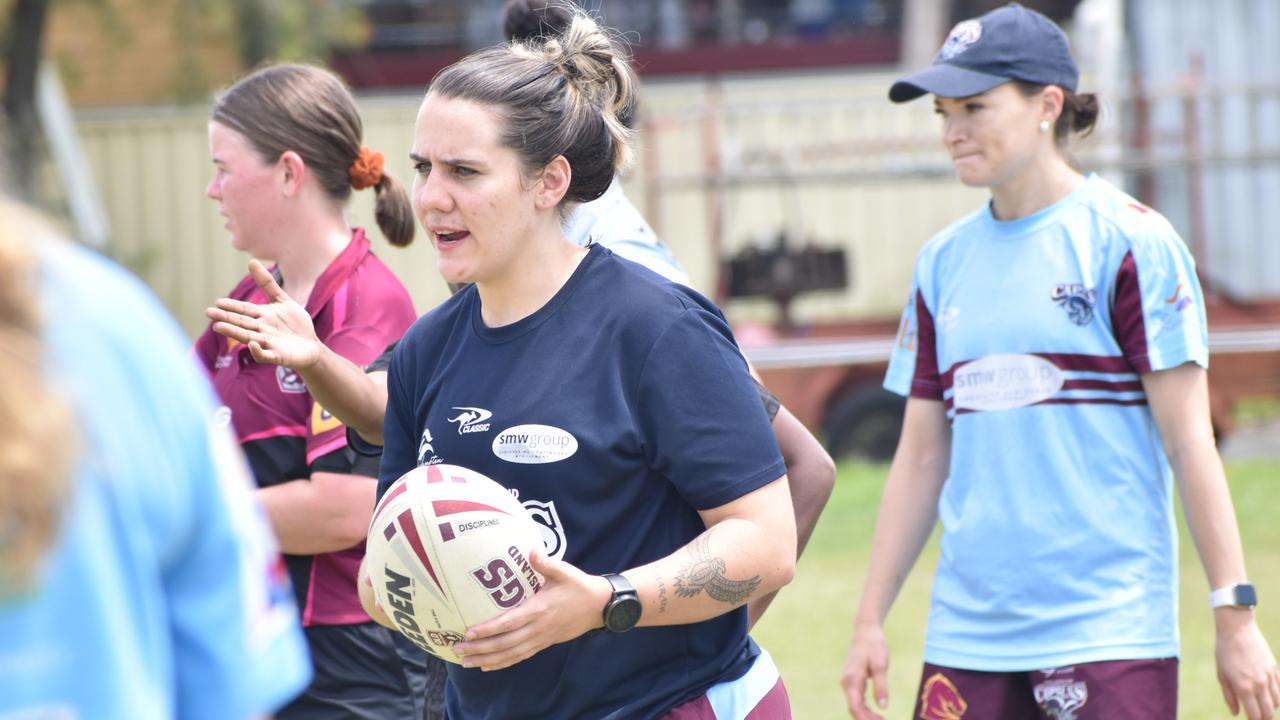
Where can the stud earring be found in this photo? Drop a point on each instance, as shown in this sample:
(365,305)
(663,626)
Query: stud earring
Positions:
(1044,126)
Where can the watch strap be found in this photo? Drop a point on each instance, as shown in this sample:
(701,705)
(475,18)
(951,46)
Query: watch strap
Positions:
(621,585)
(1238,595)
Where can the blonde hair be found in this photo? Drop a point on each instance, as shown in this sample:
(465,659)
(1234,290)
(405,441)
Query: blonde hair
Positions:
(35,424)
(559,95)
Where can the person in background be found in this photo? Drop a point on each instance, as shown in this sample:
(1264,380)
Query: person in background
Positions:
(138,576)
(286,148)
(1053,352)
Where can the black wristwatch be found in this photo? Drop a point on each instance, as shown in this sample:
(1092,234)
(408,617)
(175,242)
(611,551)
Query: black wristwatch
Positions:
(1240,595)
(622,612)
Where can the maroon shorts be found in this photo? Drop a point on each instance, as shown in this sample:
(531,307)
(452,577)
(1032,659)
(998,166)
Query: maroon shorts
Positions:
(1114,690)
(775,705)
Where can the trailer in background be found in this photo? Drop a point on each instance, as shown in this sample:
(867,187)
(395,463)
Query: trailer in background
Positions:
(832,384)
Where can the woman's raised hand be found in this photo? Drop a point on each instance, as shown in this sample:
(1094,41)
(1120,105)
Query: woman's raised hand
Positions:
(278,333)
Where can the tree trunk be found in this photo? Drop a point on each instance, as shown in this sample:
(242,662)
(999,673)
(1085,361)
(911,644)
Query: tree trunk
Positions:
(21,124)
(257,32)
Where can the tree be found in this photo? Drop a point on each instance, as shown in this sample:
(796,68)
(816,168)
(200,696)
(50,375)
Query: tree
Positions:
(22,60)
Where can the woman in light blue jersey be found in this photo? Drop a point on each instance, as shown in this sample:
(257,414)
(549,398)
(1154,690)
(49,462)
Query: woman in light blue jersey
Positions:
(139,579)
(1053,351)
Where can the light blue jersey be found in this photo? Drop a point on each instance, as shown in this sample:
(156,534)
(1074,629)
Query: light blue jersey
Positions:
(164,595)
(615,223)
(1058,542)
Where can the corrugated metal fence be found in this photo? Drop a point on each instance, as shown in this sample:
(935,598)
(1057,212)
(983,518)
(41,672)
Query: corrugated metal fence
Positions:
(821,156)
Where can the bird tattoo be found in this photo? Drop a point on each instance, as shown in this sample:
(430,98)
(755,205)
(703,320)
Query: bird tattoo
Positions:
(707,573)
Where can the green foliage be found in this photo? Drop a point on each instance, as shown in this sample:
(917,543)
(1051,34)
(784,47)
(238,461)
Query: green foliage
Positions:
(807,629)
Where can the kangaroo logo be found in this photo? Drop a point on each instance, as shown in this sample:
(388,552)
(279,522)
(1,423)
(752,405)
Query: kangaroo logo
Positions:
(471,419)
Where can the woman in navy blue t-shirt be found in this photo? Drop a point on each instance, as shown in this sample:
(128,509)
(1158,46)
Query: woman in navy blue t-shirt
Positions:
(656,467)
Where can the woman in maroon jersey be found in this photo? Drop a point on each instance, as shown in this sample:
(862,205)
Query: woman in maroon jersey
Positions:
(286,149)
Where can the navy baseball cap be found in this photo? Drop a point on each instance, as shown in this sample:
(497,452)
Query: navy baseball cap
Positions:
(1009,43)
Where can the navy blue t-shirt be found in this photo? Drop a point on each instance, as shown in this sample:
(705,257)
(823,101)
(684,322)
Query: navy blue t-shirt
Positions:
(615,412)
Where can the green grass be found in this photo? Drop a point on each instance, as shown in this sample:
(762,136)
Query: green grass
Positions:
(807,628)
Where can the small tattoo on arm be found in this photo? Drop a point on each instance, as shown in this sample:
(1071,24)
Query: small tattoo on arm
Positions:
(707,573)
(662,596)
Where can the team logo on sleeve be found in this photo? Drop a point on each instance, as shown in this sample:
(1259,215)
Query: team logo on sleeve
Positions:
(471,419)
(290,381)
(1180,298)
(1077,300)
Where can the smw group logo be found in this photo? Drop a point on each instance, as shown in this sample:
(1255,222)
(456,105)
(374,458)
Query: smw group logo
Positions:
(471,419)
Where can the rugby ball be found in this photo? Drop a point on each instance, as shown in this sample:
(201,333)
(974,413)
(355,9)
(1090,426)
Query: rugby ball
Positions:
(448,548)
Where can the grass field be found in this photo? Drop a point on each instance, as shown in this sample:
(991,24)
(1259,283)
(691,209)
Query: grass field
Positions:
(807,629)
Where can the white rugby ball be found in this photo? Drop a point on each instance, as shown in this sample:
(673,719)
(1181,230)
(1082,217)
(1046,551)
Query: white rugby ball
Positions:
(448,548)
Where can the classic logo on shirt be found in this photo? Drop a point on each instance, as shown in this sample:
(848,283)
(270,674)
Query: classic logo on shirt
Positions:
(471,419)
(534,444)
(1061,699)
(1004,382)
(1077,300)
(290,381)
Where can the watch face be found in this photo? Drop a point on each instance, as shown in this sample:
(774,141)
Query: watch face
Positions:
(623,615)
(1246,596)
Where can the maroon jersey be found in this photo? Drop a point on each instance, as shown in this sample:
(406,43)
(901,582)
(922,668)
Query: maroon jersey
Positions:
(358,306)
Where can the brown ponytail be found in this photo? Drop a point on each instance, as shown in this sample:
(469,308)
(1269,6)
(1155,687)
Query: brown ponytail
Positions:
(392,211)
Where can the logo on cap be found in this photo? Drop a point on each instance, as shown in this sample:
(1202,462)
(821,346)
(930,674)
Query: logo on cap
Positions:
(961,37)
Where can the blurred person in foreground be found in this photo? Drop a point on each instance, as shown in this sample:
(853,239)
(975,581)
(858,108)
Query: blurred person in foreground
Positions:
(1053,351)
(138,576)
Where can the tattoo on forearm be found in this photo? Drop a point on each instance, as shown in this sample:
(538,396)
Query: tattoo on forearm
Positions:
(707,573)
(662,596)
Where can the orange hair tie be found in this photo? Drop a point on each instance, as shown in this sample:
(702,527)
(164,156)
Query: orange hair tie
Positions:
(366,171)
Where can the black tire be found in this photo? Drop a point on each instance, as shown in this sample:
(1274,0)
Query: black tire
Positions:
(864,422)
